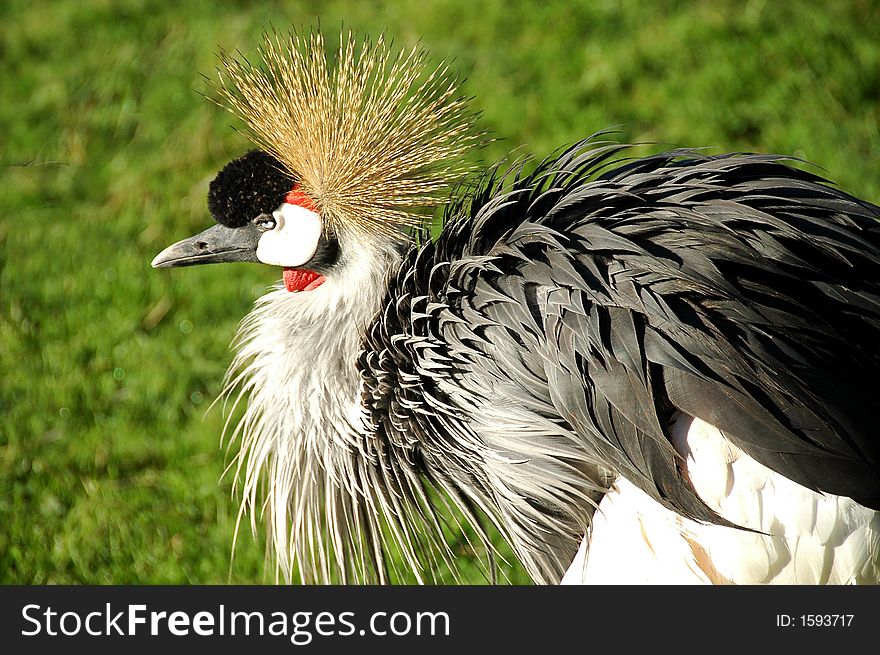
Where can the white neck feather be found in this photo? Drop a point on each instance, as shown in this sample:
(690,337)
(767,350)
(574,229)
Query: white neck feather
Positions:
(296,364)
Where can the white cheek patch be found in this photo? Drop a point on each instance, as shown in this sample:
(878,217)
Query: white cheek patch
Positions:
(294,240)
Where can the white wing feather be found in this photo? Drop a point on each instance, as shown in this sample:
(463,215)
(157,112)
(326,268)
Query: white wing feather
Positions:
(803,537)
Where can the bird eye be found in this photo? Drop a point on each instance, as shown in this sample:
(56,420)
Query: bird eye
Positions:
(265,222)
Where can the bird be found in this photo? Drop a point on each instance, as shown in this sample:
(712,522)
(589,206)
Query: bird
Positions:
(653,369)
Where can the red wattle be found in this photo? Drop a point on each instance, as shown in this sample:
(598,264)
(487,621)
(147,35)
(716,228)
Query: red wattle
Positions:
(298,279)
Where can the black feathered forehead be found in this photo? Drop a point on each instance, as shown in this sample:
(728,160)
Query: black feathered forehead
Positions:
(253,184)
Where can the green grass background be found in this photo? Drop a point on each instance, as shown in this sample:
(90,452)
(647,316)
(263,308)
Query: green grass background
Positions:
(110,468)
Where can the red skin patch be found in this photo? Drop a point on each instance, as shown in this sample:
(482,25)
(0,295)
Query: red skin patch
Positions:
(298,279)
(296,196)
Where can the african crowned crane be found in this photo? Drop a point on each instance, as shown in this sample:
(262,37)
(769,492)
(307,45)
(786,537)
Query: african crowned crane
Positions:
(640,370)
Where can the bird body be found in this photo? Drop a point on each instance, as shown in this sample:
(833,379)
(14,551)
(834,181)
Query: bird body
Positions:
(638,370)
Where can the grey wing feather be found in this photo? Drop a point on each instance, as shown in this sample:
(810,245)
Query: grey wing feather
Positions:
(733,288)
(601,298)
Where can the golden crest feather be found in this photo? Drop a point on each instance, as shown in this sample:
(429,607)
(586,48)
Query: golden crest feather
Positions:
(375,139)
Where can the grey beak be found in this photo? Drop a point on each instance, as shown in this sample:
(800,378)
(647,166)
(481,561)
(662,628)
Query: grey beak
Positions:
(215,245)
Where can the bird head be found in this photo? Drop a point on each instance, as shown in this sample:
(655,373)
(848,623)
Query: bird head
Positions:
(262,216)
(351,154)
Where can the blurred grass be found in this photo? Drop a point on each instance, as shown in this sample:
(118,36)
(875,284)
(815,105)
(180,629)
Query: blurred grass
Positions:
(109,466)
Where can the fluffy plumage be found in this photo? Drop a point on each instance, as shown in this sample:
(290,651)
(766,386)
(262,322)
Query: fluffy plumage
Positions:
(584,313)
(305,471)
